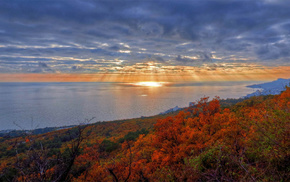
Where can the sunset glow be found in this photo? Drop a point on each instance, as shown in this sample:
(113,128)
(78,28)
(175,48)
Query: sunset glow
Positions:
(223,72)
(159,90)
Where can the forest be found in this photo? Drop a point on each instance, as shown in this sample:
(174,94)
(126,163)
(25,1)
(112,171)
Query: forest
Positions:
(213,140)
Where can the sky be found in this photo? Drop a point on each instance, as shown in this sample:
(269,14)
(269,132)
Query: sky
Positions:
(164,40)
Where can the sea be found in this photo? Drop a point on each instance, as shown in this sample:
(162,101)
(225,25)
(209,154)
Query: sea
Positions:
(26,106)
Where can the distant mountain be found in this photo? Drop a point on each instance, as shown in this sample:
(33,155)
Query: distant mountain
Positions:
(270,88)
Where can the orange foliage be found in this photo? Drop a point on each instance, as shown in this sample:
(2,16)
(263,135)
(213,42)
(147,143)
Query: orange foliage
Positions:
(245,142)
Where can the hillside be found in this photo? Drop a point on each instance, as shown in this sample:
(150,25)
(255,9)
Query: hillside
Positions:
(244,141)
(270,88)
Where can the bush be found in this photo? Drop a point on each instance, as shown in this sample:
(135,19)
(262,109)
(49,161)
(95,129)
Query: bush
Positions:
(108,146)
(132,136)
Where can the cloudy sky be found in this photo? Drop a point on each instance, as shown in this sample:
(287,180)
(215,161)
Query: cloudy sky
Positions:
(113,36)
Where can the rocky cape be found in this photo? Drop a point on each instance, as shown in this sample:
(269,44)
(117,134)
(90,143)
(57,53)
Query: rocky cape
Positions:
(269,88)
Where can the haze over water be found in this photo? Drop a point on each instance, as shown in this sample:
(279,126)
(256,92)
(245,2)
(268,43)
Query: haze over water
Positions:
(39,105)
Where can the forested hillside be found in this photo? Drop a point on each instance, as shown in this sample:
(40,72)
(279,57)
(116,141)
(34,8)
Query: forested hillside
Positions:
(246,141)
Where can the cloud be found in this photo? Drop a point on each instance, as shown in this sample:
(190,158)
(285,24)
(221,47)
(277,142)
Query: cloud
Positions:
(41,68)
(76,68)
(172,32)
(184,60)
(274,51)
(200,57)
(42,65)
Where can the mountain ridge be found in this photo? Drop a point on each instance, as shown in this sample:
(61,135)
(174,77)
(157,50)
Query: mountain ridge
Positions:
(269,88)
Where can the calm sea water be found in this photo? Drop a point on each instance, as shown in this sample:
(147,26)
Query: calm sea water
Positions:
(38,105)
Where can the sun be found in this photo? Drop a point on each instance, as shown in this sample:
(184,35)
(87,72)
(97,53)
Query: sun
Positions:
(149,84)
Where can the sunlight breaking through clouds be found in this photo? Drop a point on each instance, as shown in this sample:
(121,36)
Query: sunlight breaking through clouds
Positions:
(165,74)
(189,37)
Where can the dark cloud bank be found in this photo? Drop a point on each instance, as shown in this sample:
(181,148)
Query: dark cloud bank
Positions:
(69,35)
